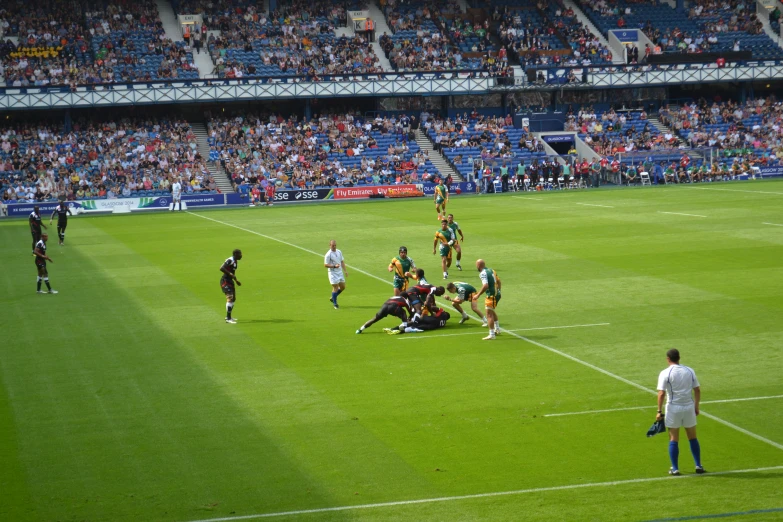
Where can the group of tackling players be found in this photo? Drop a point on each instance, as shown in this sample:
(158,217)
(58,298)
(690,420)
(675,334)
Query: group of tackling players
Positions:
(40,238)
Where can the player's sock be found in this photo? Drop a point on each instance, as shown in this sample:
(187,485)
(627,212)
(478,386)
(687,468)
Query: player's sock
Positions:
(39,283)
(229,308)
(334,297)
(48,286)
(674,454)
(696,450)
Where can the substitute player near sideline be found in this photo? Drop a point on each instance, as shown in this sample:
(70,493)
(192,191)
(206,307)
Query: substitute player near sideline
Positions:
(454,226)
(176,195)
(490,284)
(444,239)
(681,388)
(465,293)
(62,210)
(401,265)
(335,264)
(229,269)
(396,306)
(441,198)
(40,263)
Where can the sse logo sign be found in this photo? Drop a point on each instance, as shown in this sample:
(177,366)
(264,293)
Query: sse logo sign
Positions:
(299,195)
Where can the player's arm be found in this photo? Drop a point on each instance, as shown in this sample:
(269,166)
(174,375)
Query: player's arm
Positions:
(661,396)
(53,213)
(696,398)
(392,265)
(68,208)
(226,271)
(342,265)
(435,244)
(38,253)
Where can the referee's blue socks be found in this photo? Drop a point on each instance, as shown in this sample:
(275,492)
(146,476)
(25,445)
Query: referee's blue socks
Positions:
(696,450)
(334,297)
(674,453)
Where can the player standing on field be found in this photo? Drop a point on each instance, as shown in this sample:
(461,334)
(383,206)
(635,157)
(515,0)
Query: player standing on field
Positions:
(229,269)
(454,226)
(35,225)
(441,198)
(490,283)
(62,210)
(446,238)
(40,263)
(401,265)
(465,293)
(176,195)
(676,383)
(335,263)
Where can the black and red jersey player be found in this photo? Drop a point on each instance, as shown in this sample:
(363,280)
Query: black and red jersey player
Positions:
(432,321)
(422,294)
(35,225)
(39,252)
(396,306)
(229,281)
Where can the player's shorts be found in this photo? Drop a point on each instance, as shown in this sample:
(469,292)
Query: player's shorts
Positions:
(680,416)
(390,309)
(439,200)
(62,223)
(176,197)
(227,286)
(336,277)
(491,302)
(465,298)
(40,264)
(445,250)
(400,283)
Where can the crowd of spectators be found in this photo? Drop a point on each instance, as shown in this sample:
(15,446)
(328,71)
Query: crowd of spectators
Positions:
(736,129)
(328,150)
(124,158)
(77,43)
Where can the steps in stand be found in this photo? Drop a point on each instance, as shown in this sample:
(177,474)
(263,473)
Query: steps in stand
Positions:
(436,158)
(217,172)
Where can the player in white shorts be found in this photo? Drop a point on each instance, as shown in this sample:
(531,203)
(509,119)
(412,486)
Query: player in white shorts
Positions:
(176,195)
(681,388)
(335,264)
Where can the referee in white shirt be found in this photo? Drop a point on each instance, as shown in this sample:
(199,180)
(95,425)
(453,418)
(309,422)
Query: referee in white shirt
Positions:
(335,264)
(680,386)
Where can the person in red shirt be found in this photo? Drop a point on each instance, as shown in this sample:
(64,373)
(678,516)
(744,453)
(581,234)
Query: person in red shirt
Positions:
(270,193)
(685,161)
(604,166)
(255,196)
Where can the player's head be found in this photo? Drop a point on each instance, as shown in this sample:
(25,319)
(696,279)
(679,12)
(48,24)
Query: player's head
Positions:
(237,254)
(439,291)
(444,224)
(450,218)
(451,287)
(403,252)
(44,236)
(332,245)
(419,274)
(673,355)
(35,209)
(480,265)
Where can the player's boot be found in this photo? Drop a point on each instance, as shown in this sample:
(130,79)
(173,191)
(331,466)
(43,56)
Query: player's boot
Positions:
(464,318)
(484,323)
(231,321)
(359,331)
(700,470)
(40,292)
(445,275)
(490,337)
(675,472)
(53,291)
(459,267)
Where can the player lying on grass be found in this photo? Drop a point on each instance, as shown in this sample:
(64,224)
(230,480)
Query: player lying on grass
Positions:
(433,320)
(423,295)
(465,293)
(396,306)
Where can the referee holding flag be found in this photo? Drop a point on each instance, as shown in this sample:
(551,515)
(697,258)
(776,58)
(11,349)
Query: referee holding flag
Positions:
(681,388)
(335,264)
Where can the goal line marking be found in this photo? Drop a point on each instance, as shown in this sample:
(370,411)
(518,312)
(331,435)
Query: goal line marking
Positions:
(512,330)
(486,495)
(514,334)
(721,401)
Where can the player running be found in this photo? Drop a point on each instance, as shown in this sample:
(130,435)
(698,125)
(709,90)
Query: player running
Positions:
(401,265)
(62,210)
(454,226)
(446,238)
(465,293)
(432,321)
(40,263)
(229,269)
(35,225)
(491,285)
(396,306)
(441,198)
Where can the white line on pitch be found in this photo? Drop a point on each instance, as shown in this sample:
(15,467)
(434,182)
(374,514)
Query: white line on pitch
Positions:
(773,224)
(739,190)
(526,197)
(487,495)
(513,334)
(721,401)
(680,214)
(594,205)
(514,330)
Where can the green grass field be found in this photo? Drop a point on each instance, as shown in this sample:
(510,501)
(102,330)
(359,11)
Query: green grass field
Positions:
(126,397)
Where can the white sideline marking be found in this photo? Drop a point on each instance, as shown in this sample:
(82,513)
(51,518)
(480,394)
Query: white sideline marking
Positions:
(721,401)
(739,190)
(486,495)
(681,214)
(527,197)
(594,205)
(514,330)
(513,334)
(773,224)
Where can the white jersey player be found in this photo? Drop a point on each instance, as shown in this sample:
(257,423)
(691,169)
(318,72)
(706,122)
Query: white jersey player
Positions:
(335,264)
(176,195)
